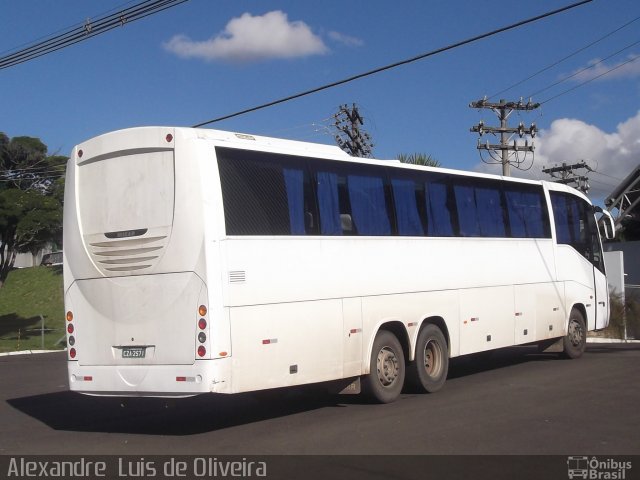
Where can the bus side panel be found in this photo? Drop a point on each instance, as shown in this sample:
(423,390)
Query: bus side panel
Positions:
(286,344)
(577,272)
(352,336)
(550,310)
(487,318)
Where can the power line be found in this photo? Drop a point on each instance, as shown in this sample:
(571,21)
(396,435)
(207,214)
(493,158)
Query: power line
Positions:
(52,34)
(393,65)
(578,72)
(610,176)
(87,30)
(569,90)
(557,62)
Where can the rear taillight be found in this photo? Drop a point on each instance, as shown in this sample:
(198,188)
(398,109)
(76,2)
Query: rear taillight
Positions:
(71,340)
(202,332)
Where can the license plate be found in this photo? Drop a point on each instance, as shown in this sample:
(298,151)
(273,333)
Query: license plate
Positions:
(133,352)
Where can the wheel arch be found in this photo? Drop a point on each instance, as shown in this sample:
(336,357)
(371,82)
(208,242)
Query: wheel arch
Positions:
(582,309)
(397,328)
(438,322)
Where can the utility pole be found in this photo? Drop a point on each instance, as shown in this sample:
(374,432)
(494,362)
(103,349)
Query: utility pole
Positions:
(350,137)
(565,174)
(503,109)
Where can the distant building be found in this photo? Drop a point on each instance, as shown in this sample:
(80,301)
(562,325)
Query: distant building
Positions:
(631,253)
(25,260)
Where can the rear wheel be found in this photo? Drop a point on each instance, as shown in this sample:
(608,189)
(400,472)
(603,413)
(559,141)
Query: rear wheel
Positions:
(387,369)
(575,341)
(429,371)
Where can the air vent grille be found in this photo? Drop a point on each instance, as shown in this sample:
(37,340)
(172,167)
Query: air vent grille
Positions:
(128,254)
(237,276)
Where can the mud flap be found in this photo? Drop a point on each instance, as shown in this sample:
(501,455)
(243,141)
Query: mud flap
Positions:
(346,386)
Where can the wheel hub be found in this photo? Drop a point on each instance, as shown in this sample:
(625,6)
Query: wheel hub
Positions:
(575,333)
(432,358)
(387,365)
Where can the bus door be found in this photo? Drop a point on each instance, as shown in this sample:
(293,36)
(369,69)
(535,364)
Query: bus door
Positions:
(601,286)
(576,226)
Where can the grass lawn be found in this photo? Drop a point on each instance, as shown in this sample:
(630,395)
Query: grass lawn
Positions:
(27,294)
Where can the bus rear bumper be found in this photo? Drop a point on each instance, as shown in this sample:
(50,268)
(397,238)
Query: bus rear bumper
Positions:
(203,376)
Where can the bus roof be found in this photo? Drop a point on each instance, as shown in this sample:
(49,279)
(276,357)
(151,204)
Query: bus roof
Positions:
(291,147)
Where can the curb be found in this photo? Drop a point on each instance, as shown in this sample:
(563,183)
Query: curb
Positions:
(29,352)
(609,340)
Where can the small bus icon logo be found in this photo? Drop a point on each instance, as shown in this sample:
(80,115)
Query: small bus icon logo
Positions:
(578,467)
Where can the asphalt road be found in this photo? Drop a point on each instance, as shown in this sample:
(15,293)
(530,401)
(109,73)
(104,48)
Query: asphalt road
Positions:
(518,402)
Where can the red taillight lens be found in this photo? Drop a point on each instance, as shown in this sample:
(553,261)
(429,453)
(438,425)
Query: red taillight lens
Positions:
(72,353)
(202,351)
(202,324)
(70,328)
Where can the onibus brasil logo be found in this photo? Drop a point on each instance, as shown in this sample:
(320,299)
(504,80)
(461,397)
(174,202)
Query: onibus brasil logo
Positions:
(592,468)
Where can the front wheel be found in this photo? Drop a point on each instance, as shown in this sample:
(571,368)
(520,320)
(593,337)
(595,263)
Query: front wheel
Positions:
(575,341)
(387,369)
(429,370)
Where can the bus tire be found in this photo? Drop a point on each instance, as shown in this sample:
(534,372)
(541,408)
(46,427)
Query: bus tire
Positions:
(429,370)
(387,369)
(575,341)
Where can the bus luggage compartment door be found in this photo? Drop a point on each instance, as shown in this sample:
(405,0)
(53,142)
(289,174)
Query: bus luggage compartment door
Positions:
(152,316)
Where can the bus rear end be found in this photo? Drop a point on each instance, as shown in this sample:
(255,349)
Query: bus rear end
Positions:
(139,321)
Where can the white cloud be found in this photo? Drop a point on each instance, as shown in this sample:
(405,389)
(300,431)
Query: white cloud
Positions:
(345,39)
(251,38)
(613,155)
(627,68)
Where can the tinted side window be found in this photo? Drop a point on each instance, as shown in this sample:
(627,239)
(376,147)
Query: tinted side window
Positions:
(573,223)
(368,204)
(352,199)
(328,203)
(440,208)
(527,211)
(265,194)
(408,196)
(480,209)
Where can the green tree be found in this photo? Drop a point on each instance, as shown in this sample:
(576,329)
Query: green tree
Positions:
(419,159)
(31,186)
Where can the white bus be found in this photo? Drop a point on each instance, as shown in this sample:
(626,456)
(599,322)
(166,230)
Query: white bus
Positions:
(207,261)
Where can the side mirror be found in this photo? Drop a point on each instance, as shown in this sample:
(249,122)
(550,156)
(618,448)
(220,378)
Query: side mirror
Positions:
(607,222)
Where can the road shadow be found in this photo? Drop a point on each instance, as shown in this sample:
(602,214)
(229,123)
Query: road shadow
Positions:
(496,359)
(511,356)
(70,411)
(12,322)
(612,347)
(56,269)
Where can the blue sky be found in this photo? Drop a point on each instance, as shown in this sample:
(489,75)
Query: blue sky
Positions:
(204,59)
